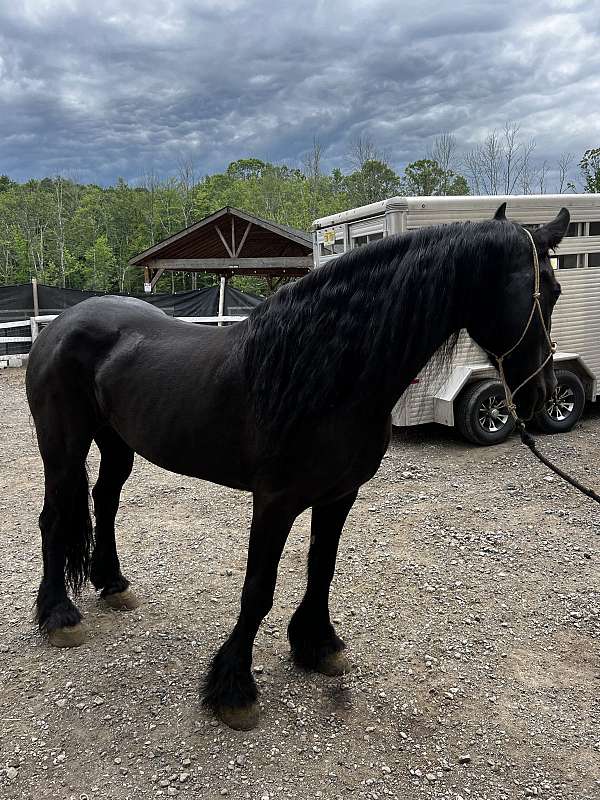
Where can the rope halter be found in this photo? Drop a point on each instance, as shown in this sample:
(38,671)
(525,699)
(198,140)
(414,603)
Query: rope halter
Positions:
(535,309)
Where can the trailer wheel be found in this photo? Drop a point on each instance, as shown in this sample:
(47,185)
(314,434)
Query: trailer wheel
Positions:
(566,405)
(481,414)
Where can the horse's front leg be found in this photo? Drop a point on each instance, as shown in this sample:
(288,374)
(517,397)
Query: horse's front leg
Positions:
(314,643)
(229,688)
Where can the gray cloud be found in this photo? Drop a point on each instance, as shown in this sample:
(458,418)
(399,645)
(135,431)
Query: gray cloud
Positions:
(98,90)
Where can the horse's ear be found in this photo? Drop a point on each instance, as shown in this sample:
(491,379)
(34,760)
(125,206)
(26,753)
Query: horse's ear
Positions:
(501,212)
(549,235)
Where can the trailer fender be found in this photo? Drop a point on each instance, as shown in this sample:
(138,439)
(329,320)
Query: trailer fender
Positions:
(576,364)
(443,399)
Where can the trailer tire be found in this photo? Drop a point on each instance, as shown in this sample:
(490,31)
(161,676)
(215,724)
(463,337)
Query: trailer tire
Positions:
(566,406)
(481,415)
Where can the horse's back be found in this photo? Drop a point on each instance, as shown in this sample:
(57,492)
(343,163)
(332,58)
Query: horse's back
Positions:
(94,322)
(101,328)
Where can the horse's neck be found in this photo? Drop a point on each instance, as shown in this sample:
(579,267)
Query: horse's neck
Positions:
(352,336)
(427,316)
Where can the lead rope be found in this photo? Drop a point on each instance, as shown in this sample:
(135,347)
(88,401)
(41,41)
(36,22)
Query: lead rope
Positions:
(528,440)
(526,437)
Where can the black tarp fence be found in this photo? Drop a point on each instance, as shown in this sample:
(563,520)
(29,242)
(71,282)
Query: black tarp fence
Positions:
(16,303)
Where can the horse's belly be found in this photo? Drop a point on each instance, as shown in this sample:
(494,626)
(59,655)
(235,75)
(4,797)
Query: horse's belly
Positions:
(192,449)
(222,467)
(186,422)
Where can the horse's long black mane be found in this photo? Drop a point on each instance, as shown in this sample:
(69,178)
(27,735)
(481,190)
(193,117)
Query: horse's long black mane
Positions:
(333,335)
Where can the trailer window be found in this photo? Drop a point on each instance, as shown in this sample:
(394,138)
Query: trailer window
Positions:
(359,241)
(332,249)
(573,229)
(568,261)
(593,259)
(594,228)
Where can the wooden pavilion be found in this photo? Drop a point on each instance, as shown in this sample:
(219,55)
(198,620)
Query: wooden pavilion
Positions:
(227,243)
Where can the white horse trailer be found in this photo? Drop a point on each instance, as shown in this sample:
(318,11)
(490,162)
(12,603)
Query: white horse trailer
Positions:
(467,393)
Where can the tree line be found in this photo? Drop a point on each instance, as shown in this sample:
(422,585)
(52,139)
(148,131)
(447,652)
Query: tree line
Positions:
(67,233)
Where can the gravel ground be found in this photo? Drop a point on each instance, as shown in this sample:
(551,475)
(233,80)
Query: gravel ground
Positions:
(467,591)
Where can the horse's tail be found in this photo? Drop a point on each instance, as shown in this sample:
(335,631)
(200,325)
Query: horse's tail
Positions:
(79,535)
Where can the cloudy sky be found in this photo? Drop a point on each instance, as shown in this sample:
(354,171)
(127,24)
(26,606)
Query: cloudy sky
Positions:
(123,87)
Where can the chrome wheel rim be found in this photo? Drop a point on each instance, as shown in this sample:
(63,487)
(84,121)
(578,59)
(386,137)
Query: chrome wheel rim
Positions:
(561,404)
(492,414)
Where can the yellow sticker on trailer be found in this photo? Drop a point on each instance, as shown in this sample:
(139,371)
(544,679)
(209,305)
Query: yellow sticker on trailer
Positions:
(329,236)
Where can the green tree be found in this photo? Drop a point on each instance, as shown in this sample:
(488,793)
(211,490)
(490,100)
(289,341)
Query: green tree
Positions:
(590,168)
(88,221)
(374,181)
(6,183)
(75,271)
(29,207)
(246,169)
(126,230)
(427,177)
(9,252)
(101,264)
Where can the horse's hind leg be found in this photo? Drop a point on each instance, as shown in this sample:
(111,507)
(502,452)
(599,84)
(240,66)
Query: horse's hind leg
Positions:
(66,529)
(314,643)
(116,463)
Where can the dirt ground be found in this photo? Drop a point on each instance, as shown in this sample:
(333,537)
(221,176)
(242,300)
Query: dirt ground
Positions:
(467,590)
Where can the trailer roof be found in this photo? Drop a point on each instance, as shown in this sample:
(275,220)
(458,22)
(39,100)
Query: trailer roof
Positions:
(460,203)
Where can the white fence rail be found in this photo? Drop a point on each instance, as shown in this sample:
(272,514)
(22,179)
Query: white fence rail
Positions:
(36,323)
(13,339)
(15,359)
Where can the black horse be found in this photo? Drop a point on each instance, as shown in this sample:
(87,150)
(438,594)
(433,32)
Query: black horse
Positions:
(292,404)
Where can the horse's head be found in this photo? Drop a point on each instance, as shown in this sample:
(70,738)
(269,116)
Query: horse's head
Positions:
(506,321)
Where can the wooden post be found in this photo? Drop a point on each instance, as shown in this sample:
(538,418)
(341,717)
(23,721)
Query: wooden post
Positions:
(222,297)
(34,291)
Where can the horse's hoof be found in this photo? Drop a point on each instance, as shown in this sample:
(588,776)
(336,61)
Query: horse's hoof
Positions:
(122,600)
(334,664)
(243,718)
(69,636)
